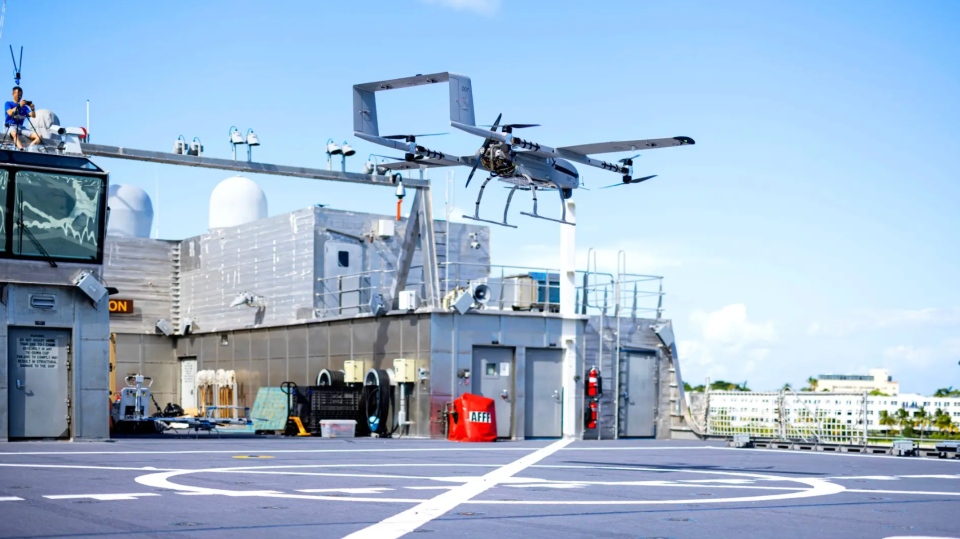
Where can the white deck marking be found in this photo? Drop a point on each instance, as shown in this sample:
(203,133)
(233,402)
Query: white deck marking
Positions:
(411,519)
(904,492)
(358,490)
(102,497)
(10,499)
(81,467)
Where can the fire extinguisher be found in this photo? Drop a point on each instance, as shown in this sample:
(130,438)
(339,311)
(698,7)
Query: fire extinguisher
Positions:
(594,383)
(594,389)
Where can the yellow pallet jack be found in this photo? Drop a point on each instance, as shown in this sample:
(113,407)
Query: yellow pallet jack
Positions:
(294,426)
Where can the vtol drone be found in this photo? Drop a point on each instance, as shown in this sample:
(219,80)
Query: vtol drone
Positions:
(523,164)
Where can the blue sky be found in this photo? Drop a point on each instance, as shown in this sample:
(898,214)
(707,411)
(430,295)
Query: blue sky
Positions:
(812,229)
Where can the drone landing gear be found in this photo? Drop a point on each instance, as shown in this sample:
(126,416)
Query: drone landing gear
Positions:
(563,205)
(476,211)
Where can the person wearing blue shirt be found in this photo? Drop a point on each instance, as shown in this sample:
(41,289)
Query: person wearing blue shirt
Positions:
(16,112)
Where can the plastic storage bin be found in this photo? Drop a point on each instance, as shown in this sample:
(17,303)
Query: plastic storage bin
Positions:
(338,428)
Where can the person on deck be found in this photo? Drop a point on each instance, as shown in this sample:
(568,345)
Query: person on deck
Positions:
(16,112)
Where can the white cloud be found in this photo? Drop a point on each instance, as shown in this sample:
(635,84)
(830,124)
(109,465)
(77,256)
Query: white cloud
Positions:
(483,7)
(725,344)
(729,326)
(922,356)
(869,320)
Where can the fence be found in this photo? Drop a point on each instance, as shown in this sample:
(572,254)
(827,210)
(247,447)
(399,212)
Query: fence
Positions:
(827,418)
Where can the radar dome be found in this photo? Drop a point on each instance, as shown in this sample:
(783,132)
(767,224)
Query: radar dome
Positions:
(45,118)
(131,212)
(236,201)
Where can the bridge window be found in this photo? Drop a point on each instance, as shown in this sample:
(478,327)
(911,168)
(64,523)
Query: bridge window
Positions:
(61,215)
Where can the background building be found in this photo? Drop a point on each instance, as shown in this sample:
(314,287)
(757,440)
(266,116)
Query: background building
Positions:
(877,380)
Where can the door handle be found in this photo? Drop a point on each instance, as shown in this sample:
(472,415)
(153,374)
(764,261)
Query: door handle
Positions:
(504,394)
(19,384)
(556,395)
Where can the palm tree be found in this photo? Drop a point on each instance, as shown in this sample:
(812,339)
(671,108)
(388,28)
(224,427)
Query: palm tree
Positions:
(786,386)
(943,392)
(887,420)
(943,422)
(903,418)
(812,382)
(922,420)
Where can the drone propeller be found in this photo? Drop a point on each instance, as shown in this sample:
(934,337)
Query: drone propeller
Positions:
(628,160)
(412,138)
(630,180)
(486,144)
(508,128)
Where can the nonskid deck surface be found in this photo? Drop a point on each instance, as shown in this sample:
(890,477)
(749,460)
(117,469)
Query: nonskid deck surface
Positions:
(539,489)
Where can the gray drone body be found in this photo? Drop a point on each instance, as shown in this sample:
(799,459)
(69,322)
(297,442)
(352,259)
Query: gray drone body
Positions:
(523,164)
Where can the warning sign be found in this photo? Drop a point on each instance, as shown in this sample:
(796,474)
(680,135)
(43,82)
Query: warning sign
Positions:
(37,351)
(121,306)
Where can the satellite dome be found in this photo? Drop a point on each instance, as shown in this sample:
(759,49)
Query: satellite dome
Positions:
(131,212)
(45,118)
(236,201)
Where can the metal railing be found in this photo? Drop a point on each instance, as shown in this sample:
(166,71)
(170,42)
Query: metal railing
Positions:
(350,294)
(834,418)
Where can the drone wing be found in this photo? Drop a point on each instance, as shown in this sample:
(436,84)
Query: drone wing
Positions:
(627,145)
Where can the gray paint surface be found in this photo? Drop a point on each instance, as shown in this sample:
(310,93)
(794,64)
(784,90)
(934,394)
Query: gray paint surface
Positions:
(38,366)
(544,393)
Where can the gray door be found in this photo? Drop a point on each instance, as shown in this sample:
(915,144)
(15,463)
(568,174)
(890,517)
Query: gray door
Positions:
(38,383)
(638,394)
(493,377)
(543,400)
(341,284)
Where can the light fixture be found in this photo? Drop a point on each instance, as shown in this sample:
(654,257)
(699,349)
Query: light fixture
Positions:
(248,299)
(196,148)
(332,149)
(370,167)
(236,138)
(252,140)
(180,146)
(345,152)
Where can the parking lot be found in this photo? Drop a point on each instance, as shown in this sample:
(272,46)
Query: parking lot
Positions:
(281,487)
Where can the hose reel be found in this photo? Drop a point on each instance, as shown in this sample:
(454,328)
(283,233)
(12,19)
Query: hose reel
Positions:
(378,395)
(328,378)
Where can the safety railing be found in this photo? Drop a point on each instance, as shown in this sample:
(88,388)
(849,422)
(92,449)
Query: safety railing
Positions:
(351,293)
(834,418)
(518,288)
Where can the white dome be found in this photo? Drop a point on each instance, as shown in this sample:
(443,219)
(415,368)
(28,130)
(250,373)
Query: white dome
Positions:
(236,201)
(45,118)
(131,212)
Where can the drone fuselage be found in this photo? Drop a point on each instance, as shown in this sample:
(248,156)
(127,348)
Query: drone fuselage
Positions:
(531,170)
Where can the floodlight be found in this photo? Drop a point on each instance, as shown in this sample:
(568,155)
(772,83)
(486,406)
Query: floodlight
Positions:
(180,146)
(347,150)
(196,148)
(332,148)
(236,137)
(370,167)
(252,139)
(401,192)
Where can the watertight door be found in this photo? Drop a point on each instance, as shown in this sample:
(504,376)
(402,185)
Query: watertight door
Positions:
(188,382)
(638,394)
(38,389)
(543,401)
(493,377)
